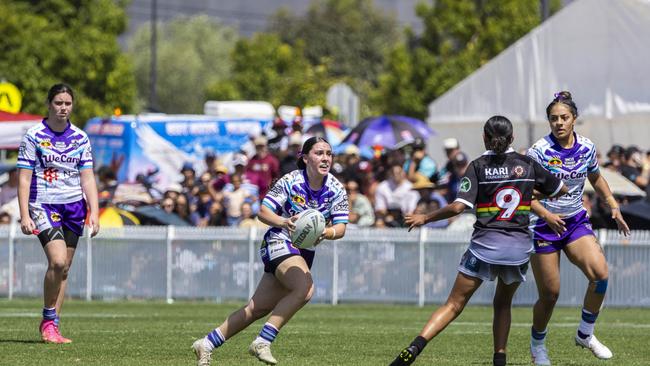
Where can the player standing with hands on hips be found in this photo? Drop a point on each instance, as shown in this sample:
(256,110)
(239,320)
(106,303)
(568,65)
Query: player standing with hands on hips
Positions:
(287,284)
(55,191)
(500,185)
(562,224)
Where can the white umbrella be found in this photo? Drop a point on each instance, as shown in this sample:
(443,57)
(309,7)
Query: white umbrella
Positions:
(618,184)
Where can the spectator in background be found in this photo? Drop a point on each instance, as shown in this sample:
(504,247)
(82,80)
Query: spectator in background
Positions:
(420,164)
(361,211)
(615,157)
(428,200)
(452,147)
(189,178)
(9,190)
(279,141)
(263,168)
(107,184)
(288,161)
(172,191)
(5,218)
(351,159)
(459,163)
(367,181)
(393,199)
(200,215)
(635,167)
(249,219)
(218,216)
(234,199)
(168,205)
(182,207)
(211,161)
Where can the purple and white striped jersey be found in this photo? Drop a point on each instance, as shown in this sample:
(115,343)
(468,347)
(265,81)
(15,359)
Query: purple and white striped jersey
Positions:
(56,159)
(571,165)
(291,194)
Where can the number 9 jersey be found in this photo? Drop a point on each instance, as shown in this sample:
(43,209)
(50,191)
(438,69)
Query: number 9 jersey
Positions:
(500,187)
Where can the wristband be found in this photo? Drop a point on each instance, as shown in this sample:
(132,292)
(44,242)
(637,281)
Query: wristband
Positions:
(611,202)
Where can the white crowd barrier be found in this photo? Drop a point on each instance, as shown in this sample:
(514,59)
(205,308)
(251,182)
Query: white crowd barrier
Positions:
(368,265)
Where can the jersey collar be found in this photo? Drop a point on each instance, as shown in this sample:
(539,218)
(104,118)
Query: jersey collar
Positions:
(490,152)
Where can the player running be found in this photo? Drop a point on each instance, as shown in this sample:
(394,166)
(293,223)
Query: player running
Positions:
(286,285)
(562,224)
(499,184)
(56,173)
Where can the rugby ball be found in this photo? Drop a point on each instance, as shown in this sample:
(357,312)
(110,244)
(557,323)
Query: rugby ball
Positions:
(309,226)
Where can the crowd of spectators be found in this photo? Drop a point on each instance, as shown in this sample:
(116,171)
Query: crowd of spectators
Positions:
(381,189)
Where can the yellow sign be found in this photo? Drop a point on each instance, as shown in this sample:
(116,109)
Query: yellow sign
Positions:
(10,98)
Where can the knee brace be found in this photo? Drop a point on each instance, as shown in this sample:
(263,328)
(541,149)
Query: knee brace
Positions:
(601,286)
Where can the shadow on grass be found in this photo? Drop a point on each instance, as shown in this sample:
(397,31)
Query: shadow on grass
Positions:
(20,341)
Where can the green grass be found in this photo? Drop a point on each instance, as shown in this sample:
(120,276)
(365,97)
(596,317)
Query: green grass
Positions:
(154,333)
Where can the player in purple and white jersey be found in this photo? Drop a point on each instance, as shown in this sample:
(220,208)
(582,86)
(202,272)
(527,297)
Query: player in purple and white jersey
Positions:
(562,224)
(286,285)
(499,184)
(56,187)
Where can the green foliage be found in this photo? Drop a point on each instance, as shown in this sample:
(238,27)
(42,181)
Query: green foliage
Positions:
(265,68)
(192,54)
(459,37)
(352,35)
(51,41)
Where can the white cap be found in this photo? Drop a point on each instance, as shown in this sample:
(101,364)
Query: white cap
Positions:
(450,143)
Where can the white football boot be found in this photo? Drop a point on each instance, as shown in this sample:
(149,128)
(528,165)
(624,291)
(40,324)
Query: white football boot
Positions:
(598,349)
(262,351)
(202,352)
(539,355)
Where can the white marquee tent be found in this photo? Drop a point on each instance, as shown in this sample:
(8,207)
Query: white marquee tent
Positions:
(597,49)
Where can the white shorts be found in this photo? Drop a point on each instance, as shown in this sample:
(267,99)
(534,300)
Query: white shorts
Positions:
(474,267)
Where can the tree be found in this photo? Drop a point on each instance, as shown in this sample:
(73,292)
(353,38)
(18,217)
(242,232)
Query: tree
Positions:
(192,54)
(351,36)
(459,37)
(51,41)
(265,68)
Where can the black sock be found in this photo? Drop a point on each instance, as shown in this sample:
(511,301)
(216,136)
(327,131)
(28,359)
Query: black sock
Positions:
(499,359)
(419,343)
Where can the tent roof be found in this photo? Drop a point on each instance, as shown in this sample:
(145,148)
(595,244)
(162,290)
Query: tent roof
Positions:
(19,117)
(597,49)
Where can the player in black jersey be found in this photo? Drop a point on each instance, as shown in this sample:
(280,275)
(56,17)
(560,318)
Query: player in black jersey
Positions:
(499,185)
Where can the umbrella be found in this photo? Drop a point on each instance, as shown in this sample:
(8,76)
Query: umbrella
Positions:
(154,215)
(388,131)
(116,217)
(619,185)
(332,131)
(637,214)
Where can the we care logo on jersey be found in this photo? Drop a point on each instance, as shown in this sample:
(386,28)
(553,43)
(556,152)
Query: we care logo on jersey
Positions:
(61,159)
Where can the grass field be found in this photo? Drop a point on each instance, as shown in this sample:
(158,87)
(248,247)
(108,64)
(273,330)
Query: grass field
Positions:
(153,333)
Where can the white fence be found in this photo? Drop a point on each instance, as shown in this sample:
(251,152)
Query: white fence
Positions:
(388,265)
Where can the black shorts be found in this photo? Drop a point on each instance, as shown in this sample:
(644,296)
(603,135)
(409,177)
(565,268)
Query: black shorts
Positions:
(59,233)
(272,265)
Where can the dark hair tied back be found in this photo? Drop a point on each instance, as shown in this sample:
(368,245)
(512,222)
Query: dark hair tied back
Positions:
(306,147)
(57,89)
(563,97)
(498,134)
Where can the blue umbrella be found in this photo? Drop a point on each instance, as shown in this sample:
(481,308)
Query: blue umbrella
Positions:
(388,131)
